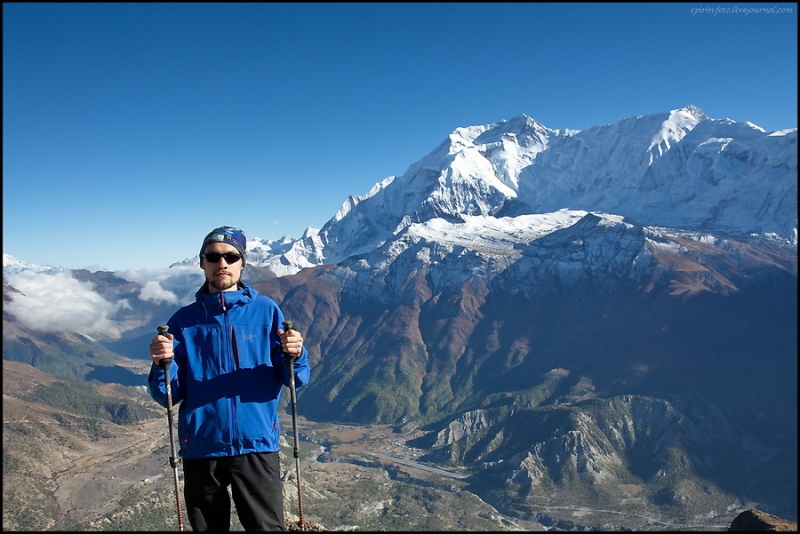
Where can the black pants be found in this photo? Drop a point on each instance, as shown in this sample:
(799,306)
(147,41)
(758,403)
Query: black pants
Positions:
(255,485)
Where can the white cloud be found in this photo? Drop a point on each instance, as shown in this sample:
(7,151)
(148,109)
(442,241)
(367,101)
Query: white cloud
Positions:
(153,292)
(59,303)
(181,281)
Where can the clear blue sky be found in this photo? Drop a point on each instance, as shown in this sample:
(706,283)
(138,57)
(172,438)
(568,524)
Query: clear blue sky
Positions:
(131,130)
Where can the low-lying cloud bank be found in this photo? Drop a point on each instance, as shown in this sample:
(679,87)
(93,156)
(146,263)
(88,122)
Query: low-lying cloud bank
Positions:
(57,302)
(60,303)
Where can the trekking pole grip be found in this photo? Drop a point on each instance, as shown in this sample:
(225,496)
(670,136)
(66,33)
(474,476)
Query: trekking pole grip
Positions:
(289,325)
(162,331)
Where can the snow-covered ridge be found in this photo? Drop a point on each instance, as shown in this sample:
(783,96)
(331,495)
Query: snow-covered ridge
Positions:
(12,265)
(483,231)
(679,169)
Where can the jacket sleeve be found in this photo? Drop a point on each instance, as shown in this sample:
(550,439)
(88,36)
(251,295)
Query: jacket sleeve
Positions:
(302,372)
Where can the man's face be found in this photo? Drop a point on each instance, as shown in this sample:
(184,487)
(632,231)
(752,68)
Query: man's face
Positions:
(222,276)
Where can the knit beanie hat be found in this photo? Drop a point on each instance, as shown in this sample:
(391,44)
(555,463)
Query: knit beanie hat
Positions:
(226,234)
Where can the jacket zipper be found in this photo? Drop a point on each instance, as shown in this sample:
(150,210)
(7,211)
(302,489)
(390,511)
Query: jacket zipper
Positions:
(229,344)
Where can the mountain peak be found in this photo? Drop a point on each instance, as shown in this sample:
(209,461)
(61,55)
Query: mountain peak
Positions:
(691,110)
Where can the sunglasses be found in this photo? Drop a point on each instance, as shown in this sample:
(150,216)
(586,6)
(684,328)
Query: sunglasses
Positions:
(214,257)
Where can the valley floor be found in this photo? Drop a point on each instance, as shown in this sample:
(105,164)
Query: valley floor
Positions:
(359,477)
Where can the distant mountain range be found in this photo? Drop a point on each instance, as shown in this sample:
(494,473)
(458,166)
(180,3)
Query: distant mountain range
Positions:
(604,317)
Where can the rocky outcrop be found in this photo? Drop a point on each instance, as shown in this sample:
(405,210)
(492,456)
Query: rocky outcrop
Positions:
(758,521)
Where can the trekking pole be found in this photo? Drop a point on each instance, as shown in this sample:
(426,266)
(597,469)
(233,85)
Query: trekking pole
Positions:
(164,363)
(288,325)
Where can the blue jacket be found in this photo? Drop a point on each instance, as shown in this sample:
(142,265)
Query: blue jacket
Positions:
(227,373)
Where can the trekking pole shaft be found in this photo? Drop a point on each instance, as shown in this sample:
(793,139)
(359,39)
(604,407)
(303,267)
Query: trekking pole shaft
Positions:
(296,450)
(165,363)
(287,325)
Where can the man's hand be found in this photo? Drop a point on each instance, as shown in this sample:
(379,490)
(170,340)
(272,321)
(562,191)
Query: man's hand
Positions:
(160,348)
(291,342)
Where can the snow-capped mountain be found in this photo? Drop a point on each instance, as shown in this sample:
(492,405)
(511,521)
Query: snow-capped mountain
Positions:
(12,265)
(678,169)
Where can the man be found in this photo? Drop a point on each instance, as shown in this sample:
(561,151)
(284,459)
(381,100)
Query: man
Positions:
(228,372)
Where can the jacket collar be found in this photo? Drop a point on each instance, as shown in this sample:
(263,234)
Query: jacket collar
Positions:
(243,295)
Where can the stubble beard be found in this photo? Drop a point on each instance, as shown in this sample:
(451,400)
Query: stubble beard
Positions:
(225,283)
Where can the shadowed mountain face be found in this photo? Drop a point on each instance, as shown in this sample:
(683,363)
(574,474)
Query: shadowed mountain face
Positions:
(672,333)
(680,381)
